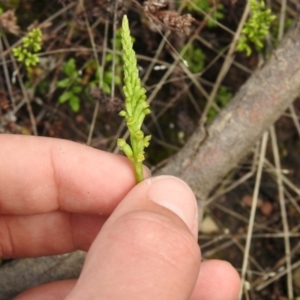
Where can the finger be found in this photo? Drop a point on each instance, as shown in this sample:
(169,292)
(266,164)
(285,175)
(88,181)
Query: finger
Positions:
(51,291)
(47,234)
(217,280)
(40,175)
(148,247)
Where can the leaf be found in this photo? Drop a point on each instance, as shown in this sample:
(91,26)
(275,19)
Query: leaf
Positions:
(107,76)
(76,89)
(97,74)
(106,88)
(117,80)
(64,83)
(70,68)
(74,103)
(65,96)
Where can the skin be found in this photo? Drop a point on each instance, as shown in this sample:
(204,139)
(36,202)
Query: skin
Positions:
(58,196)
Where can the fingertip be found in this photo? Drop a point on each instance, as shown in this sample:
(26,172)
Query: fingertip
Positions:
(175,195)
(217,280)
(168,192)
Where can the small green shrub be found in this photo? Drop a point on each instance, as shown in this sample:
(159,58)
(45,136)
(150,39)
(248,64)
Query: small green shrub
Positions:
(76,86)
(256,28)
(31,44)
(195,59)
(206,6)
(72,85)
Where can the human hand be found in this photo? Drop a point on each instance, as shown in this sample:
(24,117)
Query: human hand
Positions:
(57,196)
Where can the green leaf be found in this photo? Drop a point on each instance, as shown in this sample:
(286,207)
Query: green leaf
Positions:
(76,89)
(64,83)
(195,59)
(65,96)
(70,68)
(106,88)
(107,76)
(74,103)
(117,80)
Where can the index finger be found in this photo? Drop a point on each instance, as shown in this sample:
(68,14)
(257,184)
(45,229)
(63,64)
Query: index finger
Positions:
(39,175)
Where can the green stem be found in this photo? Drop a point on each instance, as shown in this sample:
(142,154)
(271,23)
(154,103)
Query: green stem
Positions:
(138,171)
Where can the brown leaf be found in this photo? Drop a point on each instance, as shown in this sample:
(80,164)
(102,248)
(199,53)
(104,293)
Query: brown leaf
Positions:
(266,208)
(8,21)
(169,19)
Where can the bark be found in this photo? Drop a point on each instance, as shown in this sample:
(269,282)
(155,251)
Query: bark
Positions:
(21,274)
(201,163)
(257,105)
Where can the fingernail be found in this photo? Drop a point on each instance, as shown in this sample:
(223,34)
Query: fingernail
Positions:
(175,195)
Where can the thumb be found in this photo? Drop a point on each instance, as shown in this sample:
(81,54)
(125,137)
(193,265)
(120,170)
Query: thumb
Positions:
(148,247)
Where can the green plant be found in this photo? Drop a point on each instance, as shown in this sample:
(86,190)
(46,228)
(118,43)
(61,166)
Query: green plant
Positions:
(195,59)
(136,106)
(72,84)
(207,6)
(256,28)
(31,44)
(76,86)
(222,98)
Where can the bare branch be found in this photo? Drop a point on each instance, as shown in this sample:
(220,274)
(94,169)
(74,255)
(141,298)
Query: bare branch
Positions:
(258,104)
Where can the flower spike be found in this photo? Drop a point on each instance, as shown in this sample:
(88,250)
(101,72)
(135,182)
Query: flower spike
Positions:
(136,106)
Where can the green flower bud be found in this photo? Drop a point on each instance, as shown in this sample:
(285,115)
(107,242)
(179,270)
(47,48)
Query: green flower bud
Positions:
(140,157)
(139,135)
(146,140)
(130,120)
(123,113)
(125,147)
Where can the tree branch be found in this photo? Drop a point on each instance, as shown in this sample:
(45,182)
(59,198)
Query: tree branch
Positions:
(257,105)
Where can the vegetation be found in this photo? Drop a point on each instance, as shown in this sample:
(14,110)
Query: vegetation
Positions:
(136,106)
(72,85)
(256,28)
(31,44)
(214,9)
(195,59)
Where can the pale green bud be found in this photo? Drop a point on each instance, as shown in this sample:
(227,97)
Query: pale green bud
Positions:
(140,157)
(130,120)
(125,147)
(146,140)
(123,113)
(139,134)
